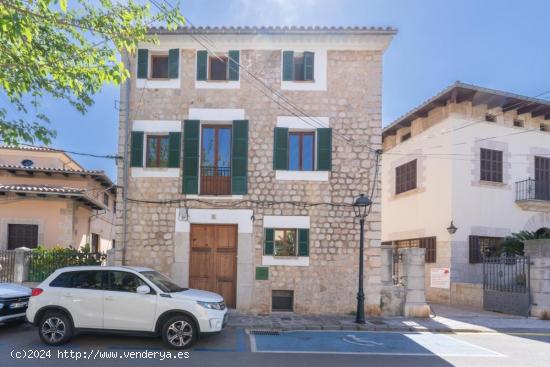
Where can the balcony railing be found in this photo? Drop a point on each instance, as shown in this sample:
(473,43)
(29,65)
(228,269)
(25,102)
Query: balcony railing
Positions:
(532,190)
(215,180)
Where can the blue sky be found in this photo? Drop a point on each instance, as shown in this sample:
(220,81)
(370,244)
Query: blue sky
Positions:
(501,44)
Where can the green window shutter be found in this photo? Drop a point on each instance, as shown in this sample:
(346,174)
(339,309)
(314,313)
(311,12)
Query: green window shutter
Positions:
(288,65)
(268,241)
(136,159)
(280,148)
(233,65)
(303,242)
(173,63)
(309,58)
(174,144)
(239,157)
(142,63)
(202,65)
(324,149)
(191,129)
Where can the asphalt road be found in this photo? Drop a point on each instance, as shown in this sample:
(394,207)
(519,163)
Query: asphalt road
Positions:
(21,346)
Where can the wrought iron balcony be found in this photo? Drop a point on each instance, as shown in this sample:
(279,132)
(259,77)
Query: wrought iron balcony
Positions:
(215,180)
(533,195)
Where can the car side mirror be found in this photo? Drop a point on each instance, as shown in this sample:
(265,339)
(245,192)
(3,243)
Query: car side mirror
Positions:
(143,289)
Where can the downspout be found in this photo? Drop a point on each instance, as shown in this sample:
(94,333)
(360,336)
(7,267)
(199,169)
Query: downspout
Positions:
(128,85)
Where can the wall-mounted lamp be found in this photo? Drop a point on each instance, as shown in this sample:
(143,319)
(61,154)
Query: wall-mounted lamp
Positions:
(451,229)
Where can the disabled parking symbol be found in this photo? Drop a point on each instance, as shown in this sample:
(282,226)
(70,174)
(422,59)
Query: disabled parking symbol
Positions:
(354,339)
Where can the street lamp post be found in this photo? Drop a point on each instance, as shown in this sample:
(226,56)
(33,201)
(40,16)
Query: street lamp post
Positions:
(360,207)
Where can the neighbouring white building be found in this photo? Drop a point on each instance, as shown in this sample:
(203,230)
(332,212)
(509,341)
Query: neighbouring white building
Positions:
(474,156)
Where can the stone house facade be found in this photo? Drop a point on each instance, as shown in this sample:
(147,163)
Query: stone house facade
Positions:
(244,187)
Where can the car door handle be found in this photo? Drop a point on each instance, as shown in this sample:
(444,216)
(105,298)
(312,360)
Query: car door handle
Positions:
(109,298)
(68,295)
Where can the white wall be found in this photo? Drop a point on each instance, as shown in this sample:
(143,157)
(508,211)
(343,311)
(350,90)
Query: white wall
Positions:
(449,188)
(487,209)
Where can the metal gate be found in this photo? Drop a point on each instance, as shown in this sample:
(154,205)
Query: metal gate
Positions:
(506,284)
(7,266)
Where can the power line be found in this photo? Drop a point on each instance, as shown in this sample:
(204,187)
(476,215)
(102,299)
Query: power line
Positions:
(66,151)
(264,84)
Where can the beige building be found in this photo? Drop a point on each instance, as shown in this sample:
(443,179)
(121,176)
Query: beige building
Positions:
(474,156)
(48,199)
(243,187)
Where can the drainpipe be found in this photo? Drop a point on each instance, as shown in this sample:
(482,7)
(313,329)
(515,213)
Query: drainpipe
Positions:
(128,85)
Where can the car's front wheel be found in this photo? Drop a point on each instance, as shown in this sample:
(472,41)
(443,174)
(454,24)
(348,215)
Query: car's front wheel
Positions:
(179,332)
(55,328)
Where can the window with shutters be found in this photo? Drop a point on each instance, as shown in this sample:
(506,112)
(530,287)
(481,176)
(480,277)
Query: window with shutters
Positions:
(22,235)
(490,165)
(157,151)
(298,66)
(405,177)
(286,242)
(301,148)
(219,67)
(159,67)
(428,243)
(483,246)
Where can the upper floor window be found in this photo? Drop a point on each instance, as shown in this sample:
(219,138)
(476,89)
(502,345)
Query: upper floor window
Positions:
(159,67)
(490,165)
(218,67)
(157,151)
(216,160)
(106,199)
(158,64)
(405,177)
(298,66)
(301,150)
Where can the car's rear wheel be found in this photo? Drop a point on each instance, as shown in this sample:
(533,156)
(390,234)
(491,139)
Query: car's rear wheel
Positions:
(179,332)
(55,328)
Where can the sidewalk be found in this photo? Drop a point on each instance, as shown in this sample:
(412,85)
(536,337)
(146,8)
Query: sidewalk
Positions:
(444,318)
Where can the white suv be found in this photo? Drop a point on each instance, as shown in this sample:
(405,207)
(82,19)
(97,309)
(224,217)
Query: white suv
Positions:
(122,299)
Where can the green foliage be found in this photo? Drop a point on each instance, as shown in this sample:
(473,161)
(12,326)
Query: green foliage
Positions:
(68,50)
(43,262)
(513,245)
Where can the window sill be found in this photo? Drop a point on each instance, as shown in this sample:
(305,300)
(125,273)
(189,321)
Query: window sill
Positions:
(217,84)
(214,197)
(497,185)
(285,260)
(407,193)
(304,85)
(302,175)
(158,83)
(154,172)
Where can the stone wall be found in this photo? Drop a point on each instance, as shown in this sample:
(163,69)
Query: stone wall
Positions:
(539,252)
(352,102)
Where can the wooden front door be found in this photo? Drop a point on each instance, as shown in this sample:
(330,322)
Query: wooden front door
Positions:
(213,260)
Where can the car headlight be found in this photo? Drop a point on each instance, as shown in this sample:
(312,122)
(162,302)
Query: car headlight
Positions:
(212,305)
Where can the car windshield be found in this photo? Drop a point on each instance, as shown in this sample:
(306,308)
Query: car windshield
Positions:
(165,284)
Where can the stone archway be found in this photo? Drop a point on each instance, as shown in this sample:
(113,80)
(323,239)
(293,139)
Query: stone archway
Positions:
(537,222)
(543,231)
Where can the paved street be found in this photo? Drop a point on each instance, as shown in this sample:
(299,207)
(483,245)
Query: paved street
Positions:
(234,347)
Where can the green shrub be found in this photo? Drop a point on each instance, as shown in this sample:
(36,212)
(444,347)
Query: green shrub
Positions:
(43,262)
